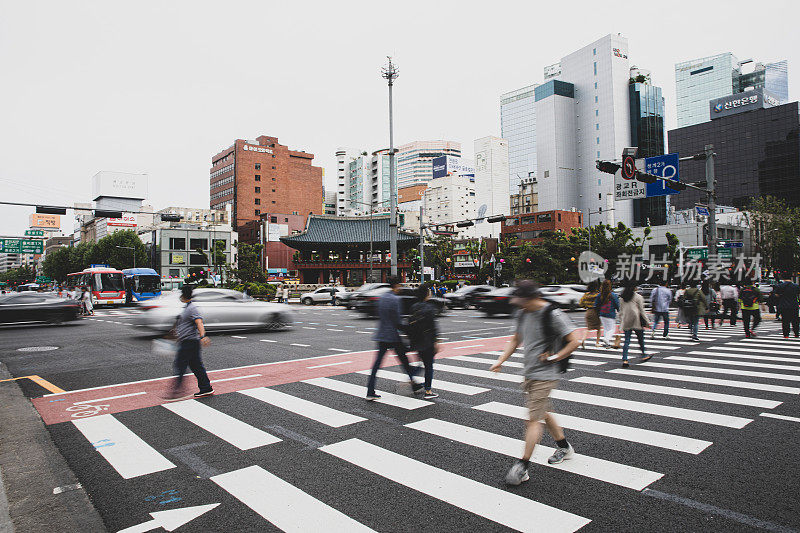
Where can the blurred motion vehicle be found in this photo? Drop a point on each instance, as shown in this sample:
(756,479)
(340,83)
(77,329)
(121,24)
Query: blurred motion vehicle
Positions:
(368,302)
(141,284)
(349,299)
(496,302)
(323,295)
(222,310)
(23,307)
(106,285)
(646,289)
(563,295)
(465,296)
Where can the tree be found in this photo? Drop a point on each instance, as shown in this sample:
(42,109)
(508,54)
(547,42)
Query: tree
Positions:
(613,241)
(673,253)
(440,252)
(775,229)
(249,270)
(58,263)
(18,276)
(112,250)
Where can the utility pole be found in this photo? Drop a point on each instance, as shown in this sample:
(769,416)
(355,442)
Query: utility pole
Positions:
(390,73)
(712,200)
(421,245)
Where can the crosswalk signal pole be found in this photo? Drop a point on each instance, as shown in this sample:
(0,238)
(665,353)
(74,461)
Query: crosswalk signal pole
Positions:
(712,201)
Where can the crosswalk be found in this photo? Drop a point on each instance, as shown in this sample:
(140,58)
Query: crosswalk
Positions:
(665,411)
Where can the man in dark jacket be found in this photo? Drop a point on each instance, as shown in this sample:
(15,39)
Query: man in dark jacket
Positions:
(787,293)
(390,322)
(422,331)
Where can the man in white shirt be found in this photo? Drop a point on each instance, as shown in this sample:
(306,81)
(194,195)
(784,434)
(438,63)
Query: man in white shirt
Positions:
(729,295)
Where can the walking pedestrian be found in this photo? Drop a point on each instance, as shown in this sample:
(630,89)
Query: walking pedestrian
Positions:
(632,319)
(191,335)
(390,322)
(86,298)
(660,300)
(607,304)
(286,293)
(592,318)
(680,316)
(711,303)
(279,293)
(694,306)
(423,332)
(547,335)
(730,307)
(750,300)
(787,293)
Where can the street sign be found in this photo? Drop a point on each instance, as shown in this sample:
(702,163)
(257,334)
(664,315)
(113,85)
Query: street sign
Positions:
(43,279)
(702,253)
(665,166)
(702,210)
(626,187)
(733,244)
(21,246)
(34,233)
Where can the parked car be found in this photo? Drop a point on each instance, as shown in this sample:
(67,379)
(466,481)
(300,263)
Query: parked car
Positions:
(465,296)
(563,295)
(367,303)
(496,302)
(222,309)
(348,299)
(323,295)
(23,307)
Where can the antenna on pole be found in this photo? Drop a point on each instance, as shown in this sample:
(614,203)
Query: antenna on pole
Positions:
(390,71)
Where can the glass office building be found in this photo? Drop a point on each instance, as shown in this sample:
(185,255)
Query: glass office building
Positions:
(758,154)
(518,127)
(647,133)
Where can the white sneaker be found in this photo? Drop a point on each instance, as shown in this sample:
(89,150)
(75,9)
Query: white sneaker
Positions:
(517,474)
(561,454)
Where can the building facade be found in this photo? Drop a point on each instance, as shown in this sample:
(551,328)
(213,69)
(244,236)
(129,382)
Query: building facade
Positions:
(757,154)
(647,133)
(526,199)
(491,184)
(530,227)
(414,160)
(363,182)
(449,200)
(582,115)
(263,176)
(699,80)
(518,127)
(178,249)
(329,204)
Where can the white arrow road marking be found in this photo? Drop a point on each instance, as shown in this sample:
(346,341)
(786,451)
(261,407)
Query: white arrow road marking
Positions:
(170,520)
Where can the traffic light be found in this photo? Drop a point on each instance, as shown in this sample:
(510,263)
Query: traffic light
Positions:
(675,185)
(498,218)
(170,217)
(105,213)
(645,178)
(50,210)
(465,224)
(608,167)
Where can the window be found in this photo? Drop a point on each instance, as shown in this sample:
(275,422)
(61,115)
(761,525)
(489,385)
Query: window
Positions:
(177,259)
(258,165)
(258,211)
(177,243)
(595,99)
(273,201)
(286,220)
(597,126)
(258,189)
(194,244)
(597,112)
(174,272)
(546,173)
(197,259)
(258,201)
(594,51)
(273,190)
(273,179)
(559,217)
(598,140)
(273,168)
(595,68)
(595,85)
(258,178)
(273,220)
(223,241)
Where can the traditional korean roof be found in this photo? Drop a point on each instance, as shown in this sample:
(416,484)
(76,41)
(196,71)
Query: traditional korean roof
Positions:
(348,232)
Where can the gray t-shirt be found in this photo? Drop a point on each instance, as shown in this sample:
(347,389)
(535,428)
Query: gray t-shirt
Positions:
(185,328)
(531,333)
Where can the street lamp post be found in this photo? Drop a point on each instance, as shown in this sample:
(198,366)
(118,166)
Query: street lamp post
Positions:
(390,73)
(589,223)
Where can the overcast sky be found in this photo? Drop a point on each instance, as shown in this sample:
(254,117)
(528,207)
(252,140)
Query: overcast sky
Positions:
(159,87)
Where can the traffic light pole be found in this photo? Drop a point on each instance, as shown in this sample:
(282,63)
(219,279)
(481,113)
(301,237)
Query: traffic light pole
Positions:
(712,201)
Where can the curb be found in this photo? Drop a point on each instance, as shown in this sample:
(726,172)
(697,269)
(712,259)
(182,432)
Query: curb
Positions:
(38,491)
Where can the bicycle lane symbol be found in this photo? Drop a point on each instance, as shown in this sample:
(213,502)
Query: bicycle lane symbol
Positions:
(81,411)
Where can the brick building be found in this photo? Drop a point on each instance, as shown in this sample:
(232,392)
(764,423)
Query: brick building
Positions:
(529,226)
(262,177)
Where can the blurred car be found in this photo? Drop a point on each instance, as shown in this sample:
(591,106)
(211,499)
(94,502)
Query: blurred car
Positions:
(348,299)
(222,309)
(646,289)
(323,295)
(23,307)
(465,296)
(368,303)
(496,302)
(563,295)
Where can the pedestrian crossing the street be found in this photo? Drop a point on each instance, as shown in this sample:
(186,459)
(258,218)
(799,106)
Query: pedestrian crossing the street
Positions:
(665,411)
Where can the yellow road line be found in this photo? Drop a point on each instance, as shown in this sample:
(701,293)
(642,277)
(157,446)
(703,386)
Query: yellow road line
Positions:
(39,381)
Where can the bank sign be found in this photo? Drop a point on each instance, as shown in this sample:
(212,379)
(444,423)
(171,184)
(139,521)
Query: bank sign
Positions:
(741,102)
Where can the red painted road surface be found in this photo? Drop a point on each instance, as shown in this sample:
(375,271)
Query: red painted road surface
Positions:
(73,405)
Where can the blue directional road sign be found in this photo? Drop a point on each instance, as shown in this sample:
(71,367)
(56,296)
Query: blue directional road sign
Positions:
(702,210)
(665,166)
(734,244)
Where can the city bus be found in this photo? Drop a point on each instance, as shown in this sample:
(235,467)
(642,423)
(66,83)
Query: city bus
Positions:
(106,285)
(141,284)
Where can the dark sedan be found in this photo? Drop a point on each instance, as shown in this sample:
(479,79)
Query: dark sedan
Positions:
(496,302)
(349,299)
(367,303)
(465,296)
(28,307)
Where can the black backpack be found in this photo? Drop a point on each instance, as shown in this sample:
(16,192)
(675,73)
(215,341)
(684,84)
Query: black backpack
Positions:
(553,340)
(749,296)
(419,324)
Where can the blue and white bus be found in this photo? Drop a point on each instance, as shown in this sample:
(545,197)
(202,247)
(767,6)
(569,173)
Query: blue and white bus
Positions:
(141,284)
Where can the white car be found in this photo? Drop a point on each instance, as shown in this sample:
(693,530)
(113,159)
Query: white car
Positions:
(323,295)
(565,296)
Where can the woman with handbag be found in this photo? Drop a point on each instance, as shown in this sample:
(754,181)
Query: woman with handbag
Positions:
(607,304)
(632,319)
(592,319)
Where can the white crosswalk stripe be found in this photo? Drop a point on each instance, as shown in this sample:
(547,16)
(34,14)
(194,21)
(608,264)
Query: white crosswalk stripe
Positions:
(293,511)
(707,380)
(437,383)
(717,370)
(731,362)
(584,465)
(754,349)
(513,364)
(746,356)
(314,411)
(360,391)
(498,505)
(478,373)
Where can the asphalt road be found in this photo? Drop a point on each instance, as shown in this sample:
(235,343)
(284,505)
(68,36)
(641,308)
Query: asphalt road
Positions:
(675,444)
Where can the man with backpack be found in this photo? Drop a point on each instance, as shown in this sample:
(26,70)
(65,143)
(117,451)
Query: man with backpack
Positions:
(729,295)
(749,301)
(548,338)
(693,303)
(787,296)
(422,332)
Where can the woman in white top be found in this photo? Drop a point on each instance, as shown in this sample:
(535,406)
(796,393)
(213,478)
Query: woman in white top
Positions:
(632,319)
(87,302)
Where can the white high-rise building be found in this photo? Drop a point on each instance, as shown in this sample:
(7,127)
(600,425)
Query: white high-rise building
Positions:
(450,199)
(492,196)
(700,80)
(414,160)
(582,115)
(343,158)
(518,127)
(362,182)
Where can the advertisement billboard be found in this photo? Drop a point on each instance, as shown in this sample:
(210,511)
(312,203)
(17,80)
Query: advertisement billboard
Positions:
(51,222)
(128,220)
(119,185)
(448,164)
(741,102)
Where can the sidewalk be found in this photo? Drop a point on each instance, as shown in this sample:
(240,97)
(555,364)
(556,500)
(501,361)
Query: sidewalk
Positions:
(38,491)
